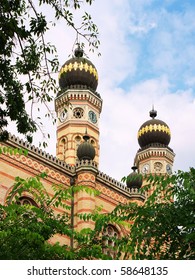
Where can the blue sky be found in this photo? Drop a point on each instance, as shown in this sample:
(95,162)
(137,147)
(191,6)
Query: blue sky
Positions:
(162,34)
(153,62)
(147,57)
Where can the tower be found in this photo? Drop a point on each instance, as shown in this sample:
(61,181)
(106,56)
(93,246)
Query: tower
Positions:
(154,155)
(78,107)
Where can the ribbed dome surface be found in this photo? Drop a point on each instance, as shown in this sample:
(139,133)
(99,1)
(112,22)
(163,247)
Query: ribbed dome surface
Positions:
(78,72)
(86,151)
(134,179)
(154,131)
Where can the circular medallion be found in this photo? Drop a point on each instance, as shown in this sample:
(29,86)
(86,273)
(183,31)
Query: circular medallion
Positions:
(158,166)
(92,117)
(169,169)
(145,168)
(63,116)
(78,113)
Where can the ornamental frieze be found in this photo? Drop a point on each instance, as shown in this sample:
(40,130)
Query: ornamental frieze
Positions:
(79,66)
(154,127)
(31,165)
(86,177)
(111,194)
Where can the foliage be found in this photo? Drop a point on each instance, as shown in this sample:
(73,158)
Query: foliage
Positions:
(161,228)
(27,60)
(26,229)
(12,151)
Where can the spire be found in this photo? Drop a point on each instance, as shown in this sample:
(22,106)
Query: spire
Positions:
(134,168)
(153,113)
(86,137)
(78,52)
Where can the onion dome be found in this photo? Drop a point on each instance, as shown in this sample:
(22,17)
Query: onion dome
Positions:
(86,151)
(154,132)
(78,72)
(134,179)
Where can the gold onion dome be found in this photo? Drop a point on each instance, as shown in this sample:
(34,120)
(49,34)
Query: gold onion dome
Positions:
(134,179)
(154,132)
(78,72)
(85,150)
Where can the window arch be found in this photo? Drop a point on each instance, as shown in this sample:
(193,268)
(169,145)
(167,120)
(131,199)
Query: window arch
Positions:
(25,200)
(25,197)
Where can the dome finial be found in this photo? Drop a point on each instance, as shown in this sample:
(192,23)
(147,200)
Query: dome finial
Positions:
(134,168)
(78,52)
(153,113)
(86,137)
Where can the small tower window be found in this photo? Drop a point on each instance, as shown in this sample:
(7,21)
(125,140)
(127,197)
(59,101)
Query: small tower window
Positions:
(62,148)
(77,143)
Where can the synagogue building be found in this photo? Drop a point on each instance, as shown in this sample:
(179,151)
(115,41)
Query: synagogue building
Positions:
(78,108)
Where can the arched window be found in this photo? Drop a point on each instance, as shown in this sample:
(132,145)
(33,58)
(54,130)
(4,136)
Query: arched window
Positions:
(77,143)
(93,142)
(62,148)
(110,236)
(25,200)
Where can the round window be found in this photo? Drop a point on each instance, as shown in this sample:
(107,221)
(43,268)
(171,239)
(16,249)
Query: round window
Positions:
(78,113)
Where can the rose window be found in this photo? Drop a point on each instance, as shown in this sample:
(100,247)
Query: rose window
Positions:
(78,113)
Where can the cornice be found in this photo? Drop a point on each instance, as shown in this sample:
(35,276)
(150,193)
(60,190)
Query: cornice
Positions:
(81,95)
(40,155)
(155,151)
(120,187)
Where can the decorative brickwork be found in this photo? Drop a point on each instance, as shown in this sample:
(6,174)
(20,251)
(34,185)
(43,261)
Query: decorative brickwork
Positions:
(35,167)
(17,142)
(84,173)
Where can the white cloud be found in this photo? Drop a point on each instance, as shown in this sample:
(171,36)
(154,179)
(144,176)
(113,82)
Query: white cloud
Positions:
(142,28)
(125,112)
